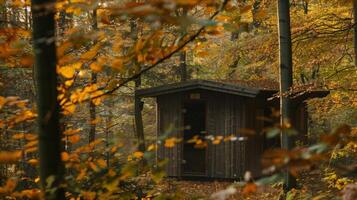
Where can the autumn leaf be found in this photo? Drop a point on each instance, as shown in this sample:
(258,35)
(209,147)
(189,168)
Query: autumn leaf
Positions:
(71,131)
(74,139)
(151,147)
(138,154)
(69,83)
(33,162)
(67,71)
(27,61)
(249,188)
(89,55)
(65,156)
(2,101)
(169,143)
(88,195)
(95,67)
(102,163)
(10,156)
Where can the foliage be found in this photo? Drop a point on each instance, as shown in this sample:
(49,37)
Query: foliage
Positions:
(222,39)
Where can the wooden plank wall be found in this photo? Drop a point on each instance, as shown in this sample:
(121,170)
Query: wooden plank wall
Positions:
(170,125)
(255,143)
(225,117)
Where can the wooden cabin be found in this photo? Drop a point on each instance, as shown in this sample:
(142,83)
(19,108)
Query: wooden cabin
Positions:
(211,109)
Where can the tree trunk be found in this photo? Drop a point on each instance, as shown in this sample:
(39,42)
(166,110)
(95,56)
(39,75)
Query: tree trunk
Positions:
(306,6)
(92,107)
(183,66)
(355,29)
(50,145)
(139,128)
(138,104)
(286,81)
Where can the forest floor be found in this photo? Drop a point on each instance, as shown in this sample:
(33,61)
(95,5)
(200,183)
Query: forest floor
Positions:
(311,184)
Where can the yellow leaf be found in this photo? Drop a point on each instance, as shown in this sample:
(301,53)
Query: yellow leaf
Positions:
(138,154)
(67,71)
(69,109)
(102,163)
(69,83)
(37,180)
(152,147)
(171,142)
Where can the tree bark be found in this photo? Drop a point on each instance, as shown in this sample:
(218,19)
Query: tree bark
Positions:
(138,104)
(139,127)
(355,29)
(183,66)
(92,107)
(286,81)
(50,145)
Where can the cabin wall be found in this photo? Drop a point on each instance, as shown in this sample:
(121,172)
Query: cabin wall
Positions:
(255,142)
(169,126)
(226,115)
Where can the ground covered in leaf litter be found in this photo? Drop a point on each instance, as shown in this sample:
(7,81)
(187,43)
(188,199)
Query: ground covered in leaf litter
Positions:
(311,184)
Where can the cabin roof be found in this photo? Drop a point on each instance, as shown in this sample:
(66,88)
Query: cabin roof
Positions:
(249,88)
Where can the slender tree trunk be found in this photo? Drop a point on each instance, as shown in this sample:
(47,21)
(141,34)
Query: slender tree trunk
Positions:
(306,6)
(50,145)
(139,128)
(286,80)
(4,20)
(183,56)
(183,66)
(92,107)
(138,104)
(355,29)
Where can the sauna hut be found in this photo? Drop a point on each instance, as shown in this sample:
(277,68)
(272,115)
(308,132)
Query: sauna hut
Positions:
(218,108)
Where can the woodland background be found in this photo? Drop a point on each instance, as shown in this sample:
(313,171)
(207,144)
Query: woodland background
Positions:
(105,50)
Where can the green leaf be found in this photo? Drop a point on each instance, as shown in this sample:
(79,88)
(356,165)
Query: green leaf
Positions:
(273,132)
(271,179)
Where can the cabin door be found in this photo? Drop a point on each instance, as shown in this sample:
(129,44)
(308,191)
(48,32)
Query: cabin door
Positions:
(194,157)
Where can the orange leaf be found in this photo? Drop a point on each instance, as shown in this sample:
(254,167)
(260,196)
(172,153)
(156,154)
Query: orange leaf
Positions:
(250,188)
(102,163)
(65,156)
(74,139)
(33,162)
(9,157)
(138,154)
(95,67)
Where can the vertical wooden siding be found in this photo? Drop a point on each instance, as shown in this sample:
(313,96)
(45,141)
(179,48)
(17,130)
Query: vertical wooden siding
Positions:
(225,118)
(170,122)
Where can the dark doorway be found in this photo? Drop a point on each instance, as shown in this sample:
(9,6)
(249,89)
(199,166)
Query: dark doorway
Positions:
(194,157)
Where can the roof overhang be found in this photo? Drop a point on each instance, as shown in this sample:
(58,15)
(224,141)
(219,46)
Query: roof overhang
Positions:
(197,84)
(227,88)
